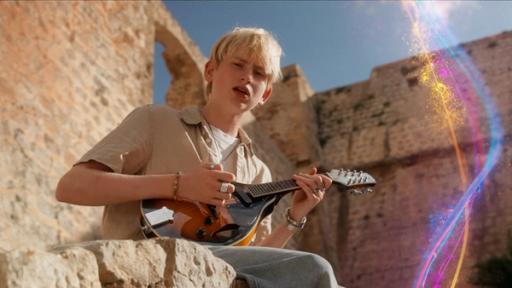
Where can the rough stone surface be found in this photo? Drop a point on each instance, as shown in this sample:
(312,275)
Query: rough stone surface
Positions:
(72,70)
(183,59)
(122,263)
(34,268)
(289,119)
(388,117)
(195,266)
(388,126)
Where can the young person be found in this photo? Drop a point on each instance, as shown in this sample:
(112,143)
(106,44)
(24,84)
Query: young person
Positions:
(194,155)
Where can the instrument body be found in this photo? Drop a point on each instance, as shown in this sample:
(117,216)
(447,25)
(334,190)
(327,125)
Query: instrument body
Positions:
(234,224)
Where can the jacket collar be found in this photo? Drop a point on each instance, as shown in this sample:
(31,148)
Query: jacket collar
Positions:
(192,116)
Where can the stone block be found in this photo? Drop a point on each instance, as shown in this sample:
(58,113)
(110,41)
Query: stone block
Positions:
(30,268)
(161,262)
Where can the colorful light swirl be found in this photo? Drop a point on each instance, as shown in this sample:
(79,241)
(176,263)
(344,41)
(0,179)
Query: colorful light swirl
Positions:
(459,93)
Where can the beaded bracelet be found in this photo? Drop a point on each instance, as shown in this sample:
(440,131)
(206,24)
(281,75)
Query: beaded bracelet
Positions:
(176,186)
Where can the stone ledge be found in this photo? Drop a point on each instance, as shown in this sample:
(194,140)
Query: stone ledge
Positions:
(160,262)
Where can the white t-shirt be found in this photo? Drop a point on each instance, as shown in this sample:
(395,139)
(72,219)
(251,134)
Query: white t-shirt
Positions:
(224,142)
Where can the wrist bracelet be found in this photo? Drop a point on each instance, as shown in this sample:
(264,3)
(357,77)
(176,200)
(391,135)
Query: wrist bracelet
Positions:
(176,186)
(295,225)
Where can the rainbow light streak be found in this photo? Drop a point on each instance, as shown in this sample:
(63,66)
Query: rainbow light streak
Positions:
(440,274)
(451,110)
(447,76)
(428,27)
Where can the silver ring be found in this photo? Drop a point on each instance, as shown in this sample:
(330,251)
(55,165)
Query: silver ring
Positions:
(318,190)
(224,187)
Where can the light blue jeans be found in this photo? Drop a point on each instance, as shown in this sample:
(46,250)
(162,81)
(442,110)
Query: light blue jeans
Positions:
(264,267)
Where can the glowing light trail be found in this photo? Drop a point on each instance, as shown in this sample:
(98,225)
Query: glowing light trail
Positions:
(423,14)
(447,107)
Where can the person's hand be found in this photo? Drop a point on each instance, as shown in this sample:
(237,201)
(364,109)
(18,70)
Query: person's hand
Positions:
(205,184)
(312,191)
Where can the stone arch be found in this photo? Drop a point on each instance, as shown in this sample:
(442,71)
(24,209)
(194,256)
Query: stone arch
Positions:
(185,62)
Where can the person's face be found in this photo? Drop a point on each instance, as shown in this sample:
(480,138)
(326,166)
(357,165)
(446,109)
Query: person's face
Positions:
(239,82)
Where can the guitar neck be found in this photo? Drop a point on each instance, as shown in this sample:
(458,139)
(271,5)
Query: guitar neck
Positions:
(271,188)
(357,182)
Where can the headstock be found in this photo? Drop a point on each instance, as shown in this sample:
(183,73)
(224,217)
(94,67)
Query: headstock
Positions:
(357,182)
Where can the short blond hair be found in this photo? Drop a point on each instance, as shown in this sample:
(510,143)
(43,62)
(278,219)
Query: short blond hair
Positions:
(259,42)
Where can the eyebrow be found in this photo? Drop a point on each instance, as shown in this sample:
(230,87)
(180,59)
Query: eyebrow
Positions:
(245,61)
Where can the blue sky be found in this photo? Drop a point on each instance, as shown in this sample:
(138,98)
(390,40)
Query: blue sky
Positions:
(335,43)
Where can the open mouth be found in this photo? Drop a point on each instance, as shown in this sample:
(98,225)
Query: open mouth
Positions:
(242,90)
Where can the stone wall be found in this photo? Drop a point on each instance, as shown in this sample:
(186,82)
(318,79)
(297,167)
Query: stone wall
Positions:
(289,119)
(124,263)
(387,126)
(390,116)
(71,71)
(62,88)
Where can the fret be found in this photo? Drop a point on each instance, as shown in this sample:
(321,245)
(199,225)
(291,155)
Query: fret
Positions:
(270,188)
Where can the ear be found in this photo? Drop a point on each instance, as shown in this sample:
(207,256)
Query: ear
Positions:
(266,95)
(209,67)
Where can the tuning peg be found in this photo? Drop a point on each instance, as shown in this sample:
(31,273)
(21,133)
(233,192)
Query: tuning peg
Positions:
(357,191)
(368,190)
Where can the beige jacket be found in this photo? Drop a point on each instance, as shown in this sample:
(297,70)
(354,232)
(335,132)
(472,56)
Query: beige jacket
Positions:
(157,139)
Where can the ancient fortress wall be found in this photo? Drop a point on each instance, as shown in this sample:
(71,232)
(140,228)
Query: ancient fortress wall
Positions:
(387,126)
(393,111)
(72,70)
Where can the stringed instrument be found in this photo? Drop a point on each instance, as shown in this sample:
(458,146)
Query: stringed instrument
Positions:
(233,224)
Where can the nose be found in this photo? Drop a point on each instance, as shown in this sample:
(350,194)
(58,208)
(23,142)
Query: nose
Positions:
(247,76)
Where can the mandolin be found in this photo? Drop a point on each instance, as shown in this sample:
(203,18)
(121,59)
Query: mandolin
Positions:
(233,224)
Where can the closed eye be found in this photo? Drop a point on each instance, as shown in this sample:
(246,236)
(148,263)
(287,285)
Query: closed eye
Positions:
(238,65)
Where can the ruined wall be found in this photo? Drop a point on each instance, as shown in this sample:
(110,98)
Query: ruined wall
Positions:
(289,119)
(70,72)
(161,262)
(387,126)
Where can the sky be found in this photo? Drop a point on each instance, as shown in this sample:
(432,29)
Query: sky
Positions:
(334,43)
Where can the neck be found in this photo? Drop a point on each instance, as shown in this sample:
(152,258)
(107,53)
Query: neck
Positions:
(225,122)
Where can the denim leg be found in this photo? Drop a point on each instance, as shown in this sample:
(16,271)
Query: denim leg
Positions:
(264,267)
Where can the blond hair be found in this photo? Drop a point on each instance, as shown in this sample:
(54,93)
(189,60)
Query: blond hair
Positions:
(259,43)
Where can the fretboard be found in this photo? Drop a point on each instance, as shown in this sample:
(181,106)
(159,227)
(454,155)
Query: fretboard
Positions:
(271,188)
